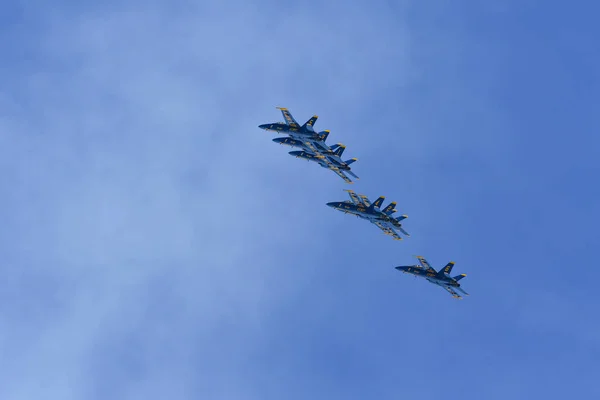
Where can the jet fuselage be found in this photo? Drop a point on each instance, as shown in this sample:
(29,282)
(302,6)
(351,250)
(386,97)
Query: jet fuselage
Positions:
(432,276)
(363,212)
(319,146)
(282,127)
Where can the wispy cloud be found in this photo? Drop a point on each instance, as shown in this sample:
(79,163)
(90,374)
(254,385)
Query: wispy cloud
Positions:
(143,204)
(156,243)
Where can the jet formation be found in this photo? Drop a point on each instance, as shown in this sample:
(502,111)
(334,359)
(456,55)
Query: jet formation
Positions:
(360,206)
(313,147)
(312,144)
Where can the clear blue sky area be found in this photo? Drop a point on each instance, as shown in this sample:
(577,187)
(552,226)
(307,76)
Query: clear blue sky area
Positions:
(156,244)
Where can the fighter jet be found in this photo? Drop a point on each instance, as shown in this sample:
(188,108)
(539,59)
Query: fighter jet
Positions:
(317,146)
(362,208)
(312,143)
(293,128)
(441,278)
(330,160)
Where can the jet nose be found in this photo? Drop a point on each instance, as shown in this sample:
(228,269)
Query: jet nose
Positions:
(332,204)
(263,126)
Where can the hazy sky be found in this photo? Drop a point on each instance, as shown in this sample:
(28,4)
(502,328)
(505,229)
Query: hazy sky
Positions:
(156,244)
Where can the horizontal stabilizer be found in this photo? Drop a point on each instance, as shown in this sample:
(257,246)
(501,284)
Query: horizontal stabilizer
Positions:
(459,277)
(350,161)
(402,217)
(352,174)
(462,291)
(448,268)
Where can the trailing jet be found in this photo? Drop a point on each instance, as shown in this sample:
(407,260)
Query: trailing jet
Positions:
(441,278)
(317,147)
(362,207)
(330,160)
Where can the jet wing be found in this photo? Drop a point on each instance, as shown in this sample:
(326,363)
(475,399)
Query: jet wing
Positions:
(365,200)
(288,117)
(425,264)
(452,292)
(340,173)
(355,199)
(311,146)
(387,230)
(335,169)
(321,147)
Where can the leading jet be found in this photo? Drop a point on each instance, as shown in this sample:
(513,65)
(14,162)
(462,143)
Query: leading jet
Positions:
(291,126)
(360,206)
(303,136)
(441,278)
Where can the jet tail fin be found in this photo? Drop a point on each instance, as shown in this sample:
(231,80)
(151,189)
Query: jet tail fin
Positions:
(323,135)
(390,208)
(338,152)
(309,124)
(377,203)
(459,277)
(448,268)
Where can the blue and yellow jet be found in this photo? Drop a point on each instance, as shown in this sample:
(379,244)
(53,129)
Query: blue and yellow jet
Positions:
(291,126)
(312,144)
(362,208)
(330,160)
(441,278)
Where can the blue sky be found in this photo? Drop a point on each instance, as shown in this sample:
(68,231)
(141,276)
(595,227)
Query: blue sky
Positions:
(156,243)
